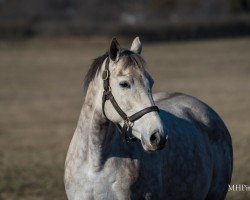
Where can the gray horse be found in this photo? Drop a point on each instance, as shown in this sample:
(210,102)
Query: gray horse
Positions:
(124,147)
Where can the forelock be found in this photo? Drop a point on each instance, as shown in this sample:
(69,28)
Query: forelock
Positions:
(131,59)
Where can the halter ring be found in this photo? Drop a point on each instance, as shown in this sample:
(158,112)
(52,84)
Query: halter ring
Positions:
(128,122)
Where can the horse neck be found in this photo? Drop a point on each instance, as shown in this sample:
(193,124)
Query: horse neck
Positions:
(93,127)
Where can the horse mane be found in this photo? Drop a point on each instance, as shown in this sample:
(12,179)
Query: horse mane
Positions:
(130,59)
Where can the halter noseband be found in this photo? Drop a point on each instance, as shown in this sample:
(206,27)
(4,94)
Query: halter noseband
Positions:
(128,121)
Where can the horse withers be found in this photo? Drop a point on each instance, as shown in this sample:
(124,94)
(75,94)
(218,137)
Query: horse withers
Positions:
(132,144)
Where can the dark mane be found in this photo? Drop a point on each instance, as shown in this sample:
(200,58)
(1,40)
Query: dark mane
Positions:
(129,57)
(93,70)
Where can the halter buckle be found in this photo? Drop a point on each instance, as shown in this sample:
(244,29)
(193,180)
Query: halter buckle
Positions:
(128,122)
(105,74)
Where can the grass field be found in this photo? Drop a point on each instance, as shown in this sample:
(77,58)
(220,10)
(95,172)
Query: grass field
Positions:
(41,97)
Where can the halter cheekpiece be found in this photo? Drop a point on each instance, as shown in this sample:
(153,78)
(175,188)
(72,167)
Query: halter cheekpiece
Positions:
(128,120)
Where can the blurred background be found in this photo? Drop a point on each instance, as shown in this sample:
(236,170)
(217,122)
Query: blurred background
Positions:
(153,19)
(198,47)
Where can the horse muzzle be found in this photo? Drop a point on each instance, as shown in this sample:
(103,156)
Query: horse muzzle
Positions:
(153,142)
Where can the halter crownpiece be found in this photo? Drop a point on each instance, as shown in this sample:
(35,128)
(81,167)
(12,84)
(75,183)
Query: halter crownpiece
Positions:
(128,121)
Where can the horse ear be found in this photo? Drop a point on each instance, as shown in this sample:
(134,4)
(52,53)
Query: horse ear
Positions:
(114,49)
(136,46)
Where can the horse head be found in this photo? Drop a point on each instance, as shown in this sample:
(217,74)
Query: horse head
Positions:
(127,97)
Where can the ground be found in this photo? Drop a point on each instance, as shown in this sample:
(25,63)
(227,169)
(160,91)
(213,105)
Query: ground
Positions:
(41,97)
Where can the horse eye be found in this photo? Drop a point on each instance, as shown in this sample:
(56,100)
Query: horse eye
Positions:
(124,84)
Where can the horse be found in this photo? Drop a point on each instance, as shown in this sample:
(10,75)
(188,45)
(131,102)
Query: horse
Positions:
(132,144)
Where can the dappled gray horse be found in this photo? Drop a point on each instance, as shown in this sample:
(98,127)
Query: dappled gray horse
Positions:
(130,144)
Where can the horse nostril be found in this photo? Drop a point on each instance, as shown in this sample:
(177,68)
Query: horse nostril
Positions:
(155,138)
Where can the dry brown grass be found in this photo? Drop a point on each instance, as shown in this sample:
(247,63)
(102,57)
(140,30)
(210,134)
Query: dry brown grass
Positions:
(41,97)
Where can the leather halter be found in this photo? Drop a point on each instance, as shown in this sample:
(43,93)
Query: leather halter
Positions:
(128,121)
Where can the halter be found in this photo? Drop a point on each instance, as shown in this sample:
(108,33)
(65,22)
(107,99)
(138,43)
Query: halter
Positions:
(128,121)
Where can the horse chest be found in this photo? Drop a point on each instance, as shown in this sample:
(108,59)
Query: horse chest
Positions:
(115,179)
(119,179)
(127,179)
